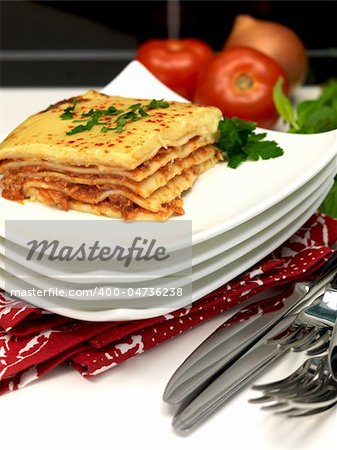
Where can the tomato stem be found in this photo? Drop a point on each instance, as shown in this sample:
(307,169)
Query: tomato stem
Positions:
(244,82)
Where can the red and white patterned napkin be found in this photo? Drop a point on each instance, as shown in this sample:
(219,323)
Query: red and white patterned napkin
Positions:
(33,341)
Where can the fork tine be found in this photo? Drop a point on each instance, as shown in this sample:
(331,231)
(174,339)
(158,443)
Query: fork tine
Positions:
(316,401)
(277,384)
(289,387)
(322,367)
(307,397)
(316,367)
(263,399)
(306,342)
(318,351)
(285,335)
(309,383)
(311,389)
(275,406)
(321,342)
(285,411)
(296,339)
(296,336)
(316,395)
(301,409)
(310,412)
(287,392)
(295,391)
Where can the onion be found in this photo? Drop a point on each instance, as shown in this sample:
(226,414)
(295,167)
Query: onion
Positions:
(275,40)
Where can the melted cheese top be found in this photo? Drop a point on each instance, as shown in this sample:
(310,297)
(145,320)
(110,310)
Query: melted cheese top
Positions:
(43,135)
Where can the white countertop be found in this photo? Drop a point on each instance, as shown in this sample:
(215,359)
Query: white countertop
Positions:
(16,104)
(123,408)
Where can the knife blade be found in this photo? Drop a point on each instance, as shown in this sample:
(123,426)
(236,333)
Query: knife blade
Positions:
(234,378)
(226,344)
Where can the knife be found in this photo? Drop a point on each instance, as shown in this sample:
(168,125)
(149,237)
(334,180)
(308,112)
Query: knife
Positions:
(226,344)
(237,376)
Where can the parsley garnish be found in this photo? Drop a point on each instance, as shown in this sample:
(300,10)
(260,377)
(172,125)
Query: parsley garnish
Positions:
(135,112)
(310,116)
(68,112)
(95,115)
(123,119)
(154,104)
(239,143)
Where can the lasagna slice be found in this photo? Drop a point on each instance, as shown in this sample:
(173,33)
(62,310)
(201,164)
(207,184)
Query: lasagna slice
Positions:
(114,156)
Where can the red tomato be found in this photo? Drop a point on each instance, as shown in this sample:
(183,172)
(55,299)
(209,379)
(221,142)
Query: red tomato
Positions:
(176,62)
(240,82)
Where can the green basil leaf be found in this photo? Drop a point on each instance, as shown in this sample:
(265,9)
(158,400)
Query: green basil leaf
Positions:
(329,205)
(283,105)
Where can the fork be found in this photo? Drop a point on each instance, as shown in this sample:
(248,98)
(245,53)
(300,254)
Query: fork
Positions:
(312,388)
(303,337)
(312,327)
(309,390)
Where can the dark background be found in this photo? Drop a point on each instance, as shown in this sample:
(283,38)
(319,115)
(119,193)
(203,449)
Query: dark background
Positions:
(58,43)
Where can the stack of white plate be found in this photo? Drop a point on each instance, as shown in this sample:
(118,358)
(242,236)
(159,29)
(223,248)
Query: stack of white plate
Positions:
(238,217)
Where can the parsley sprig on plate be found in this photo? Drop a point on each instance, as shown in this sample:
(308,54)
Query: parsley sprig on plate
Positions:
(239,142)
